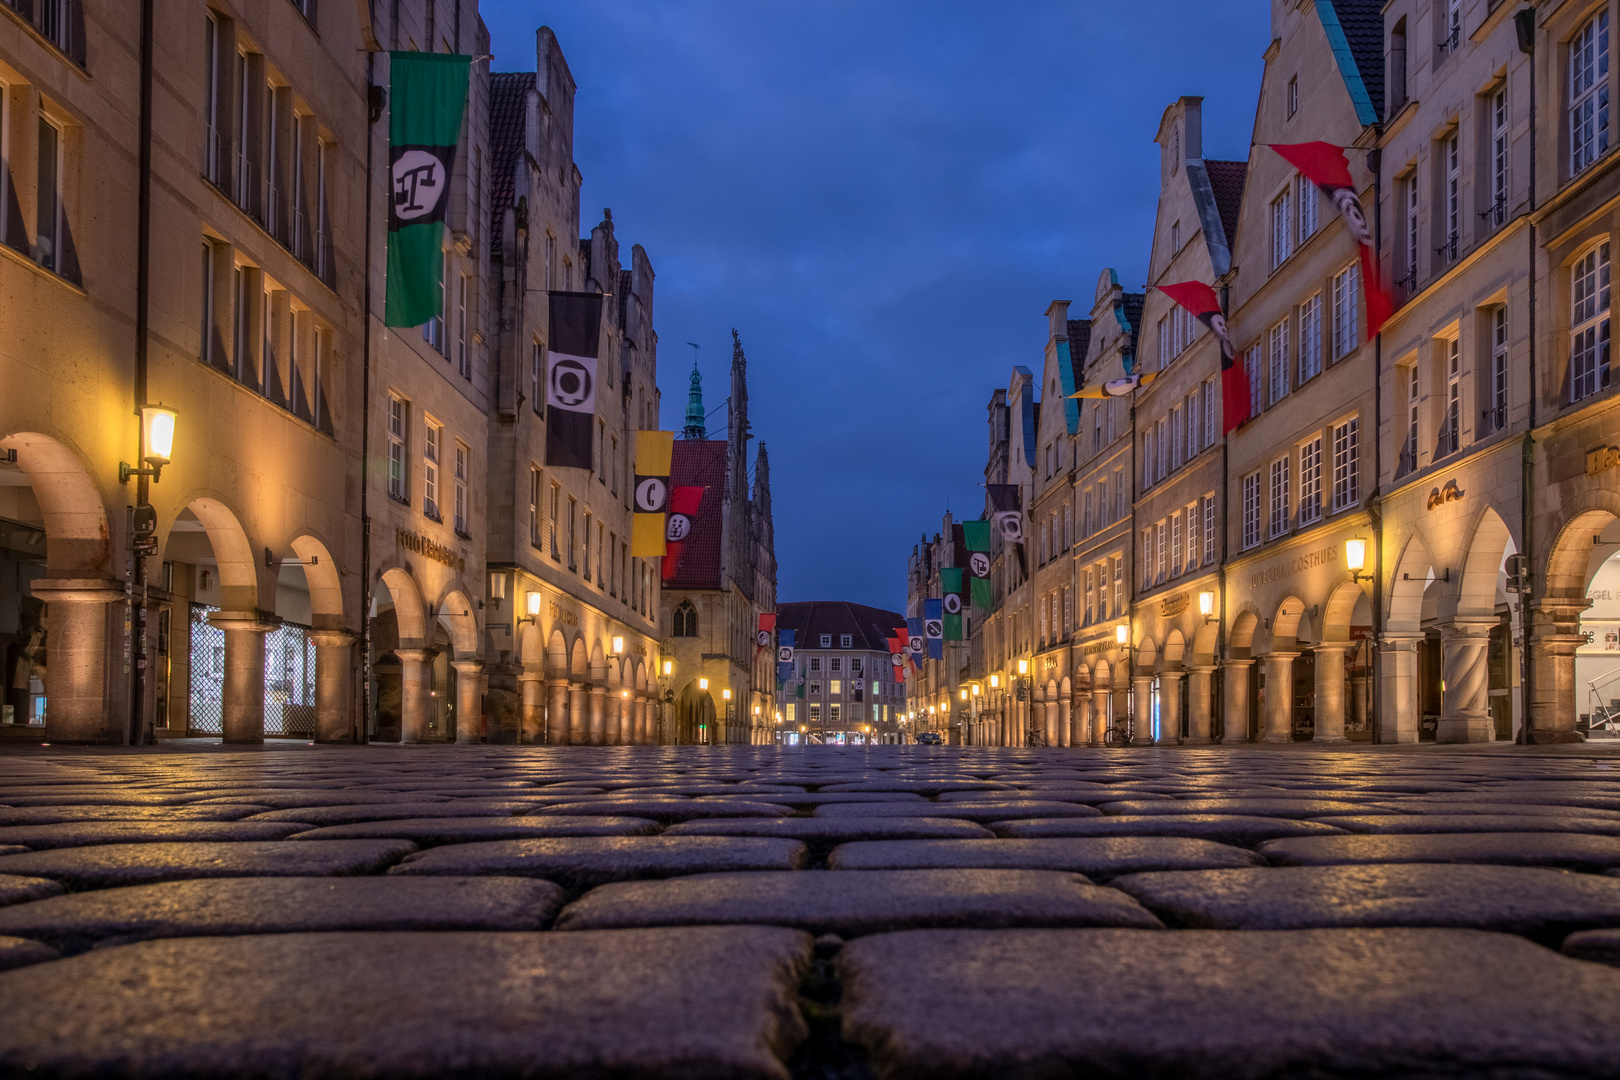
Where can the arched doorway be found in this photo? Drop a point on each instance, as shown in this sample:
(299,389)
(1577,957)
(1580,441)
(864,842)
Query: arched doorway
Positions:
(1576,628)
(400,654)
(695,715)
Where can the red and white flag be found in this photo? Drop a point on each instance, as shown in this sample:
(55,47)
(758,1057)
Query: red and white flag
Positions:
(1325,165)
(1201,300)
(683,507)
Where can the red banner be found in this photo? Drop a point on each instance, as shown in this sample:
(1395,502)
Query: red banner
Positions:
(1205,305)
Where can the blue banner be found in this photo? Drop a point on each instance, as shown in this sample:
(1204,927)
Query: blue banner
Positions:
(934,628)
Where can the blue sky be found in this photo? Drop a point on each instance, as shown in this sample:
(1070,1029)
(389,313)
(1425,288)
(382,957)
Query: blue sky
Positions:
(883,197)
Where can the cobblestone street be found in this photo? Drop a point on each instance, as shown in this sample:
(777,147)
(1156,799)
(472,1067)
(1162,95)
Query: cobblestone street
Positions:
(750,912)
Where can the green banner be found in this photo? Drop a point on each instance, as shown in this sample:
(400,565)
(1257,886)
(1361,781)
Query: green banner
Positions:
(950,583)
(977,535)
(427,97)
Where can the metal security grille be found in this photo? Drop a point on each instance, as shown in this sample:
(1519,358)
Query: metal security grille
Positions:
(289,678)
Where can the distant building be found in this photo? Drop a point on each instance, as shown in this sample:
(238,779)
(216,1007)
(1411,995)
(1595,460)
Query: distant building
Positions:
(843,690)
(720,683)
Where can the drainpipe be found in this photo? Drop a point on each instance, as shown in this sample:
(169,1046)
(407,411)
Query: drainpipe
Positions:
(136,733)
(1525,23)
(1220,573)
(374,106)
(1375,504)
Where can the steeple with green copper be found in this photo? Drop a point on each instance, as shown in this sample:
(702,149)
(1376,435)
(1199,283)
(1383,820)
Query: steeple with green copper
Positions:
(694,408)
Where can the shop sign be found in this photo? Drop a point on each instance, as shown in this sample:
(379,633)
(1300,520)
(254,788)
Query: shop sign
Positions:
(1288,568)
(562,615)
(430,549)
(1361,633)
(1602,459)
(1096,647)
(1442,495)
(1172,606)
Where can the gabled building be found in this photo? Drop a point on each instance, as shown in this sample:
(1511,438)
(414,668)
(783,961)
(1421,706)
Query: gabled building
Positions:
(721,684)
(933,691)
(841,660)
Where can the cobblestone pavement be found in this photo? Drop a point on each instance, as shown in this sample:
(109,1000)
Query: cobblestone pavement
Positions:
(752,912)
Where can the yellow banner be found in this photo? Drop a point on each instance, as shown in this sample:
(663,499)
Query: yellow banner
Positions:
(647,536)
(653,452)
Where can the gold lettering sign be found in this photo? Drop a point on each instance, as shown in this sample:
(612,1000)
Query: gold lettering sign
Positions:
(1289,567)
(1095,647)
(1172,606)
(1442,495)
(563,615)
(1602,459)
(430,549)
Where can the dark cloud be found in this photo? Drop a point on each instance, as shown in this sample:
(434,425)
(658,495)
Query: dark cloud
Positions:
(882,198)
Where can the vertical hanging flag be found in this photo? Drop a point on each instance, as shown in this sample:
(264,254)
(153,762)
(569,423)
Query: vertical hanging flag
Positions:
(934,628)
(976,538)
(897,659)
(767,623)
(1205,306)
(950,584)
(784,655)
(1325,165)
(427,95)
(916,643)
(576,331)
(683,504)
(1007,515)
(653,452)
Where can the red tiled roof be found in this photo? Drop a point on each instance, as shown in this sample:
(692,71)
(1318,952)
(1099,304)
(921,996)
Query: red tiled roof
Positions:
(700,463)
(1226,179)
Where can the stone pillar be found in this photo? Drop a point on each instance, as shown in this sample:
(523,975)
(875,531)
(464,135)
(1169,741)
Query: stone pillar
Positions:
(1398,690)
(1142,709)
(597,733)
(1049,723)
(1556,702)
(1277,725)
(76,654)
(1330,691)
(1100,698)
(242,711)
(334,685)
(619,719)
(579,720)
(1065,723)
(416,699)
(532,726)
(1465,714)
(557,714)
(1169,709)
(469,700)
(1237,702)
(1200,722)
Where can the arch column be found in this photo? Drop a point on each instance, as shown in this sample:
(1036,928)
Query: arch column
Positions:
(469,700)
(1397,689)
(334,685)
(613,723)
(242,710)
(597,734)
(76,652)
(1330,691)
(1555,636)
(643,720)
(1464,713)
(1237,701)
(415,691)
(579,720)
(532,718)
(557,713)
(1199,720)
(1099,714)
(1277,725)
(1142,708)
(1169,709)
(1065,723)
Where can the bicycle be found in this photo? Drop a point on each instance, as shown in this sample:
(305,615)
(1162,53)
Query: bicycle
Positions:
(1113,736)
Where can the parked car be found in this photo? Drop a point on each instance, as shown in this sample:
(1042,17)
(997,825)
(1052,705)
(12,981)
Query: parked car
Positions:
(929,738)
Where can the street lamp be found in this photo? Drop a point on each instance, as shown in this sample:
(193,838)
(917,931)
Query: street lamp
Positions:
(703,684)
(669,668)
(157,443)
(1355,558)
(531,604)
(1206,606)
(618,645)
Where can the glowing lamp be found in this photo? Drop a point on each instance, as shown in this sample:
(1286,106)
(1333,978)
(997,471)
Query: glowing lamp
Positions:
(669,667)
(963,693)
(1023,667)
(726,694)
(1122,634)
(1206,604)
(157,429)
(975,689)
(533,605)
(618,645)
(703,684)
(1355,557)
(995,682)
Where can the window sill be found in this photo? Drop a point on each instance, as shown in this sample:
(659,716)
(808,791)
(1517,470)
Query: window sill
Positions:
(463,534)
(432,515)
(78,66)
(401,499)
(22,258)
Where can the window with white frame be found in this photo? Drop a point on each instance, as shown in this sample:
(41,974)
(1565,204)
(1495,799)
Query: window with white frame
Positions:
(1589,323)
(1308,219)
(1147,558)
(1175,237)
(1282,229)
(48,222)
(1346,311)
(837,663)
(1589,92)
(1451,429)
(1251,510)
(1279,498)
(535,492)
(1451,153)
(1346,465)
(1175,544)
(1164,342)
(463,357)
(1178,436)
(1310,338)
(1412,235)
(398,418)
(1498,104)
(1254,365)
(462,466)
(1209,411)
(433,330)
(1195,422)
(1102,588)
(1085,513)
(1164,447)
(1161,550)
(430,467)
(1310,481)
(1409,383)
(1148,457)
(1209,530)
(1497,411)
(537,378)
(1277,365)
(1119,495)
(815,663)
(1192,535)
(1090,609)
(1068,525)
(1119,585)
(1293,96)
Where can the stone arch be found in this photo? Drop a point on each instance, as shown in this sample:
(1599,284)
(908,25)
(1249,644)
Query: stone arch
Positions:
(531,645)
(238,569)
(325,583)
(1489,544)
(1406,586)
(1285,625)
(598,670)
(1175,650)
(577,666)
(1204,641)
(77,541)
(409,612)
(1101,675)
(1066,689)
(1569,559)
(458,615)
(1340,610)
(1241,642)
(557,654)
(1147,656)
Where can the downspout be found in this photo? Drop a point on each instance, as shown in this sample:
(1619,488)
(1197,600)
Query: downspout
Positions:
(1375,504)
(136,733)
(1525,24)
(374,106)
(1220,571)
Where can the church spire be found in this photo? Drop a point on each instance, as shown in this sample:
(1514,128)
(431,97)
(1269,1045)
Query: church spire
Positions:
(694,408)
